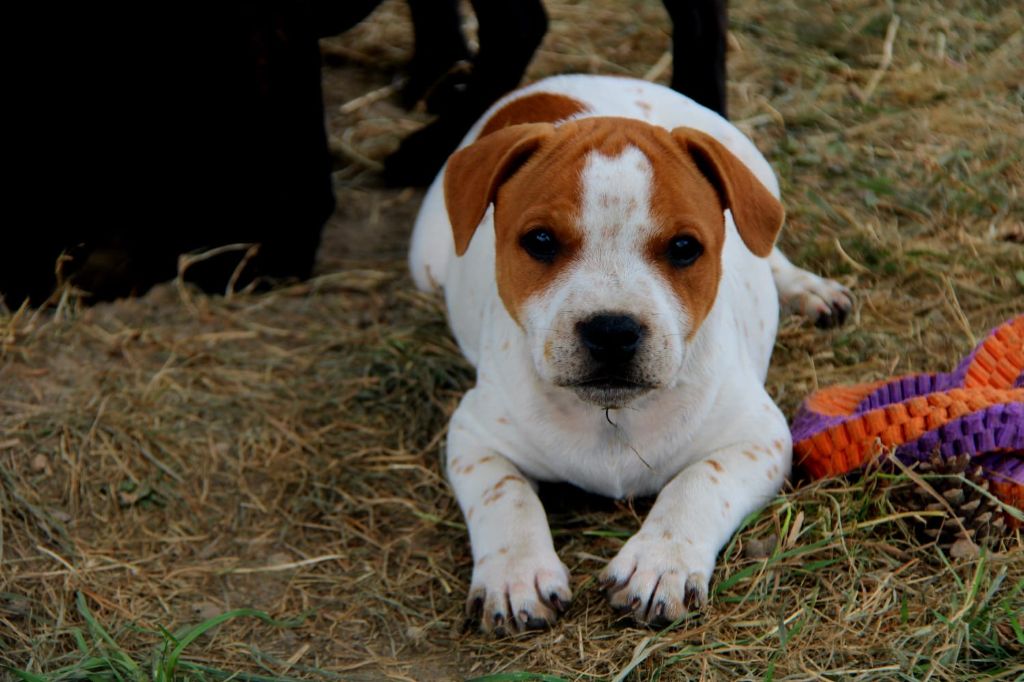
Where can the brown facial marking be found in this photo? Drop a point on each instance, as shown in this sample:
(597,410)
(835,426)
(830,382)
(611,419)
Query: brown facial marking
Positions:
(475,173)
(757,213)
(546,191)
(684,203)
(540,107)
(715,465)
(532,174)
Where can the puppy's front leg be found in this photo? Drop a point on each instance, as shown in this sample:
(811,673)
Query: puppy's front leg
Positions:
(663,570)
(518,581)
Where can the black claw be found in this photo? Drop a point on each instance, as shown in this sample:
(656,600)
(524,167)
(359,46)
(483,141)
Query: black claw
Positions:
(474,608)
(659,622)
(557,604)
(841,313)
(535,623)
(621,608)
(499,625)
(693,600)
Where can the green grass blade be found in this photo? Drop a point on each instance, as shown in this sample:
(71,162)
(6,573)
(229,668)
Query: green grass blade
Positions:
(170,663)
(24,675)
(518,677)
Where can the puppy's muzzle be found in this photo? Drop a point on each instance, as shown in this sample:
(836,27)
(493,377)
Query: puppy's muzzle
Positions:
(612,340)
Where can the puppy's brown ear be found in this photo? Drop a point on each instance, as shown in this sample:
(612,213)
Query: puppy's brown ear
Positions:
(757,213)
(475,173)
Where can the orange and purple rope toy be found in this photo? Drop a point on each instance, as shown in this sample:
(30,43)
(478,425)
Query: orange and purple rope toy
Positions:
(977,409)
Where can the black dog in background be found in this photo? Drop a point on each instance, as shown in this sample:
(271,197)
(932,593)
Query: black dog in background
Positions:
(509,33)
(204,126)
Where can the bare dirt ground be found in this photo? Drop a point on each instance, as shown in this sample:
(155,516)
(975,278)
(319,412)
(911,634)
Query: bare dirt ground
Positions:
(168,459)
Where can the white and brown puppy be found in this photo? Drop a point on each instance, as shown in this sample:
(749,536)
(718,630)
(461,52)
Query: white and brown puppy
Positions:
(606,248)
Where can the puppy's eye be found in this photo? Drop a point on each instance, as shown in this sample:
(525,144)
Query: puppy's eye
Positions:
(684,251)
(541,244)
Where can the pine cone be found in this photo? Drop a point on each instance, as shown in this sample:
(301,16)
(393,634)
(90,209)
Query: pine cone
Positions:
(978,518)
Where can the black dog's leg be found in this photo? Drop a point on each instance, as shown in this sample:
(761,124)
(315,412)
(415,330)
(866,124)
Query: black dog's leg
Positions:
(510,31)
(698,50)
(439,45)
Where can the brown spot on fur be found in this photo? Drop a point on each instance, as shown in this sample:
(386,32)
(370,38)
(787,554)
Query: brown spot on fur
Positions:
(713,480)
(491,499)
(503,420)
(727,505)
(666,535)
(507,479)
(540,107)
(485,459)
(715,465)
(750,455)
(503,550)
(548,349)
(777,444)
(469,513)
(644,107)
(468,469)
(484,558)
(505,346)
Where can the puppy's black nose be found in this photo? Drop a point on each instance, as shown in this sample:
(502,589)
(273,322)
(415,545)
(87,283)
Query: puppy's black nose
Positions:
(611,339)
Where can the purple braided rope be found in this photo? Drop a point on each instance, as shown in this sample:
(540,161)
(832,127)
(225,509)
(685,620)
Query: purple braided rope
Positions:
(923,384)
(999,427)
(1003,467)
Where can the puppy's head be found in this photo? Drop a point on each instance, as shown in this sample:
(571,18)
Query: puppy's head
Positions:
(609,236)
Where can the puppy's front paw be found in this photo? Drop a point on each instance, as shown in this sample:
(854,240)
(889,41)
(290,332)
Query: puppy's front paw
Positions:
(824,301)
(516,591)
(657,582)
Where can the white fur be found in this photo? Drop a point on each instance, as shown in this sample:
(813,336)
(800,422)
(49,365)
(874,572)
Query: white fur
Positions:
(708,439)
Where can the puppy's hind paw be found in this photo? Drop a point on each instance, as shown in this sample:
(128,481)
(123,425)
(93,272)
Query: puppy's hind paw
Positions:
(824,301)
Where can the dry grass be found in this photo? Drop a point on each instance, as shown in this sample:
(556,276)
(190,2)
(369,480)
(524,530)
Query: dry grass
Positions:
(170,458)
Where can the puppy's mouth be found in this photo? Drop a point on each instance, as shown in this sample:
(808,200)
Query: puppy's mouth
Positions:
(609,390)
